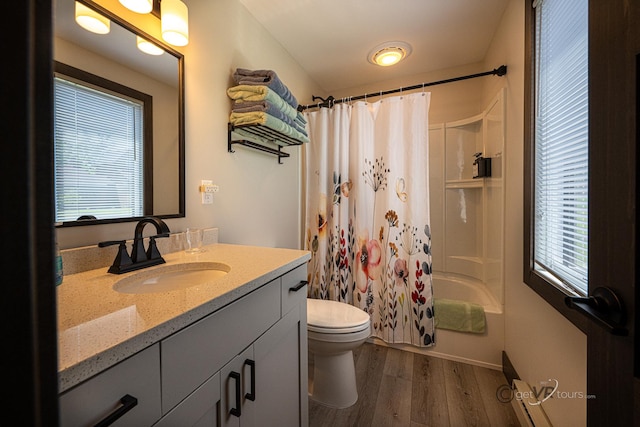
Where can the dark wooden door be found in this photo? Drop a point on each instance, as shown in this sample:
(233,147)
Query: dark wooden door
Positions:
(27,307)
(614,98)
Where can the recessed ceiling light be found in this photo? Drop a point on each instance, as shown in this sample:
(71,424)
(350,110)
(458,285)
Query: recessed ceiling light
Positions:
(389,53)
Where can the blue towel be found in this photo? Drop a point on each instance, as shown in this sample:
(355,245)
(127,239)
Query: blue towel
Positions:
(269,108)
(267,78)
(300,119)
(254,93)
(262,118)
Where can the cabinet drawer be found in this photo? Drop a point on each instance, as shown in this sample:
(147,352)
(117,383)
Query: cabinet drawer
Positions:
(195,353)
(292,279)
(95,399)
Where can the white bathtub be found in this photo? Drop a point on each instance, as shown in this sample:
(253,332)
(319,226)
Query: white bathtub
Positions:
(464,288)
(478,349)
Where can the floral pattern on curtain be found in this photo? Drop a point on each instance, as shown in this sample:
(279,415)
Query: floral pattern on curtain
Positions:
(367,213)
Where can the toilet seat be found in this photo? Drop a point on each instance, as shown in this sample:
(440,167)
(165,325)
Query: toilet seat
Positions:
(333,317)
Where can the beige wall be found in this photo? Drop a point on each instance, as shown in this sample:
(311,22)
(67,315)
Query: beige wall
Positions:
(539,341)
(449,102)
(259,200)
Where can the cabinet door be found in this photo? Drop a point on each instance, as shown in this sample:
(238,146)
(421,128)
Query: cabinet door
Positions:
(237,391)
(281,373)
(194,354)
(129,392)
(200,409)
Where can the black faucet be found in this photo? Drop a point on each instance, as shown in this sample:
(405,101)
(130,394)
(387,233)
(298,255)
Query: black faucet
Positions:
(139,258)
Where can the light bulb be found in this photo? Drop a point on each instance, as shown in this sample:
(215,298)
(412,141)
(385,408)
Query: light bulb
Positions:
(387,58)
(91,20)
(138,6)
(148,47)
(175,22)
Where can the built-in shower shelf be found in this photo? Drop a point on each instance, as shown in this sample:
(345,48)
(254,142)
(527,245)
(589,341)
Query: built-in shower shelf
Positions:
(465,183)
(473,259)
(471,266)
(474,121)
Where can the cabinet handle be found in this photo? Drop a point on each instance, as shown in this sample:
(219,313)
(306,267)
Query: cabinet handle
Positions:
(252,395)
(299,286)
(128,402)
(236,411)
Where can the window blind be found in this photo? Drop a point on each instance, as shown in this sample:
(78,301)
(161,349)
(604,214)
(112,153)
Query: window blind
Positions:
(98,155)
(561,142)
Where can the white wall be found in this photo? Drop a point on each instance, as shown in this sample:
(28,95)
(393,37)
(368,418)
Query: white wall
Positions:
(539,341)
(259,200)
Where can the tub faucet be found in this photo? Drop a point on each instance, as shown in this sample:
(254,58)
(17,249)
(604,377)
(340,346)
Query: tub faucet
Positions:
(140,258)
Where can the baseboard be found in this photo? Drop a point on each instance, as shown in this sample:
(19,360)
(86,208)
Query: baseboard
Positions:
(430,352)
(508,369)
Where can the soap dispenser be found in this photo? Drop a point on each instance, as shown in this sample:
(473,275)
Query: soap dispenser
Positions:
(481,166)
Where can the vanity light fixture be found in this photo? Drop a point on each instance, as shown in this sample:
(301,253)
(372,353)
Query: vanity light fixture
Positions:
(138,6)
(389,53)
(148,47)
(91,20)
(174,18)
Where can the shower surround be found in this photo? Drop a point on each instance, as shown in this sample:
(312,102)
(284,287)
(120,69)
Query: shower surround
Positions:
(467,217)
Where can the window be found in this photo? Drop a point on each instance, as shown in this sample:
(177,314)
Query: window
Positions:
(557,175)
(99,155)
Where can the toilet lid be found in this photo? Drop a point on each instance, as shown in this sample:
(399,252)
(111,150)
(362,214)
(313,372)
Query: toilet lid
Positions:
(335,317)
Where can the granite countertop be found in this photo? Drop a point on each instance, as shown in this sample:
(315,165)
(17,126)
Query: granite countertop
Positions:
(98,327)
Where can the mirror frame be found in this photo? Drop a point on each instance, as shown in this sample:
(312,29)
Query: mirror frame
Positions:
(181,132)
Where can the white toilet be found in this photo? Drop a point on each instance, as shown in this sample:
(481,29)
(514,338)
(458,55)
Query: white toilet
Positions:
(334,330)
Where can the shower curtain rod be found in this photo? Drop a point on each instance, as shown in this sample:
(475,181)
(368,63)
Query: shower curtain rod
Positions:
(331,101)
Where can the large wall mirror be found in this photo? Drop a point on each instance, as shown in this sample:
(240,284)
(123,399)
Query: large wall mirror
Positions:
(118,123)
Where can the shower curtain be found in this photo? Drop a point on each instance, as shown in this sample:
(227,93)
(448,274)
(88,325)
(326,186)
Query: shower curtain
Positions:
(367,213)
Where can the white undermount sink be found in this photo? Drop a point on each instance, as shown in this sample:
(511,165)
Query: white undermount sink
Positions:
(172,277)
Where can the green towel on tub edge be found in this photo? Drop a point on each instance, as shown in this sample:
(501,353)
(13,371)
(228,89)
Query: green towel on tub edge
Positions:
(459,315)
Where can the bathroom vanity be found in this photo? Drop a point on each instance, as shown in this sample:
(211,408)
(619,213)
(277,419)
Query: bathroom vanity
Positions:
(232,352)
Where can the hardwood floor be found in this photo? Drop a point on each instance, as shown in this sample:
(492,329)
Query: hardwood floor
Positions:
(400,388)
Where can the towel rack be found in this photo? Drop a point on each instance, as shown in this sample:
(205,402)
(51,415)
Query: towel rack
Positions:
(262,133)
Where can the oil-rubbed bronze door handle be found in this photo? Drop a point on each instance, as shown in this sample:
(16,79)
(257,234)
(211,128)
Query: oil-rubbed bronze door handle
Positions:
(236,411)
(604,307)
(128,403)
(299,286)
(252,394)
